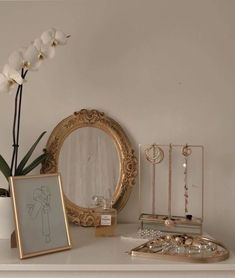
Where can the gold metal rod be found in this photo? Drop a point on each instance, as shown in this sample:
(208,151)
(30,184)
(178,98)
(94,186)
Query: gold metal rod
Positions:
(153,182)
(193,146)
(186,185)
(170,181)
(140,181)
(153,189)
(202,183)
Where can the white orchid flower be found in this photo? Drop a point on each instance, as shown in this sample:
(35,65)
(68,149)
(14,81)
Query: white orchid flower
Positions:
(32,58)
(54,37)
(9,78)
(5,85)
(12,74)
(29,58)
(45,50)
(16,60)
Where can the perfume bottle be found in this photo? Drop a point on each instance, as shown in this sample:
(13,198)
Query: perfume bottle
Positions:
(105,217)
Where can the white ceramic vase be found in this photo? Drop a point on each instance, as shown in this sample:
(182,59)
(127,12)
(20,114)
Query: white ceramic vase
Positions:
(6,218)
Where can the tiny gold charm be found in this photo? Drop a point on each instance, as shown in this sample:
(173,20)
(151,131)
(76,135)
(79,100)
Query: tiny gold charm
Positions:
(169,223)
(188,241)
(178,240)
(168,238)
(186,151)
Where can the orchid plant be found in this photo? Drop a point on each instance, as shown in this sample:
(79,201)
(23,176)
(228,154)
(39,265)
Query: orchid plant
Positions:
(20,62)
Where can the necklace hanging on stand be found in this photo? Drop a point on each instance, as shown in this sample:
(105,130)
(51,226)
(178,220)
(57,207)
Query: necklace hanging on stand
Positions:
(186,152)
(154,154)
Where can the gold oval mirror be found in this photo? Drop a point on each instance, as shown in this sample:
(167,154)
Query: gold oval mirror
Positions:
(95,158)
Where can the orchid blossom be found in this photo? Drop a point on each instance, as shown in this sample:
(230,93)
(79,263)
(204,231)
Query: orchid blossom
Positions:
(54,37)
(14,72)
(9,78)
(44,50)
(30,58)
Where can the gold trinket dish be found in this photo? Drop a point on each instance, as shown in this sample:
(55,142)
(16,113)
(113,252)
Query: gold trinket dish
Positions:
(178,247)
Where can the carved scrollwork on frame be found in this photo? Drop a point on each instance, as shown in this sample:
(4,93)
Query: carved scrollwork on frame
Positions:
(128,162)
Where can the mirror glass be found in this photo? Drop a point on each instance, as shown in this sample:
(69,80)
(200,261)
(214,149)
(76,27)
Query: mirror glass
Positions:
(89,164)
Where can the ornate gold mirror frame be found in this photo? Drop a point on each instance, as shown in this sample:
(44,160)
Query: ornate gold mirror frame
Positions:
(128,162)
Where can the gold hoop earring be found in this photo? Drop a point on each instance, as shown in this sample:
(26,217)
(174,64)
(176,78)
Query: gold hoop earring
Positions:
(154,154)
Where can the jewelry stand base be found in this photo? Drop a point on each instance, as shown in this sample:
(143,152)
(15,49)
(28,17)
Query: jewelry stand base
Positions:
(179,224)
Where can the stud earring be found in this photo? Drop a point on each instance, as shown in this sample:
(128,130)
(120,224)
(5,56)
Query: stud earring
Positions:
(154,154)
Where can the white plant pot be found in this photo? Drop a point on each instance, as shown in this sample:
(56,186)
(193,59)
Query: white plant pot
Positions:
(6,218)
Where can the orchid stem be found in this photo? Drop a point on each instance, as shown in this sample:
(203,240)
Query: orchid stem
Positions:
(16,125)
(14,129)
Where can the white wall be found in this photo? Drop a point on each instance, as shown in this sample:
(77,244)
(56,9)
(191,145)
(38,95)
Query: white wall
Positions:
(163,69)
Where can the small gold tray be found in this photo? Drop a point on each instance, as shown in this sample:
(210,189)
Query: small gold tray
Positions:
(178,247)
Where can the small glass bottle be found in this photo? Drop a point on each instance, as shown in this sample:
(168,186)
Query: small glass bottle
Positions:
(105,218)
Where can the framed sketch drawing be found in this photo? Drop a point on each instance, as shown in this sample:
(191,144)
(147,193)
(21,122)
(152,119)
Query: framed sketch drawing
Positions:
(40,216)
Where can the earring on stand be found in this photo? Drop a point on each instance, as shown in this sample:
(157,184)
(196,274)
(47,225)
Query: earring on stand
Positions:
(186,152)
(169,221)
(154,154)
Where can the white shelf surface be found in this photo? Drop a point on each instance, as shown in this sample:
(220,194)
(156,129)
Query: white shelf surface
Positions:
(90,253)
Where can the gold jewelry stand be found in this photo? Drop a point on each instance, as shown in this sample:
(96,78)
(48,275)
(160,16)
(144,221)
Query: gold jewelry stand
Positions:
(182,240)
(168,223)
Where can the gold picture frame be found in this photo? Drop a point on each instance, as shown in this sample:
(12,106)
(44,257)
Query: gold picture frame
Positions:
(40,216)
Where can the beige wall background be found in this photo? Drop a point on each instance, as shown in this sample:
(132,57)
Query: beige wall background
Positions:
(163,69)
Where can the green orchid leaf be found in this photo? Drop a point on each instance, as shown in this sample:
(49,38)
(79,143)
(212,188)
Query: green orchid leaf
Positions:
(4,168)
(28,155)
(34,164)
